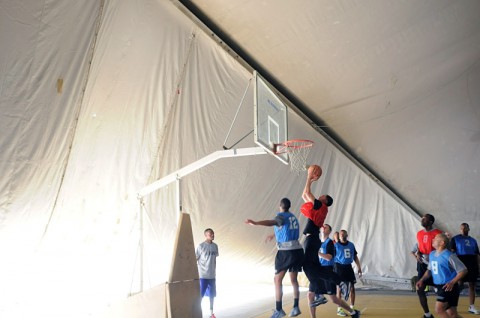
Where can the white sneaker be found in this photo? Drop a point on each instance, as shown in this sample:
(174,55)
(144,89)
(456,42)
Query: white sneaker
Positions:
(474,311)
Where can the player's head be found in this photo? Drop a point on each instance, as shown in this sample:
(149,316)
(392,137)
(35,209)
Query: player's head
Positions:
(464,228)
(326,229)
(336,236)
(329,200)
(343,236)
(440,241)
(428,220)
(209,234)
(285,204)
(326,199)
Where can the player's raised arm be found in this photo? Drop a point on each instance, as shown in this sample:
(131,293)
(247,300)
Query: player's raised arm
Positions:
(313,174)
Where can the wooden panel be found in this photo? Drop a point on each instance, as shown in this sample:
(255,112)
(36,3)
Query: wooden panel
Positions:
(184,299)
(184,263)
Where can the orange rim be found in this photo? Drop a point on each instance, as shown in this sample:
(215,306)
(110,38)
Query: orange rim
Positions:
(292,145)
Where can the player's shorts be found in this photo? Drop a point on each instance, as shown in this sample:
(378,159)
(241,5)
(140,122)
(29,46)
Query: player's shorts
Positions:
(471,264)
(316,286)
(421,269)
(208,287)
(345,273)
(311,264)
(330,280)
(450,297)
(289,260)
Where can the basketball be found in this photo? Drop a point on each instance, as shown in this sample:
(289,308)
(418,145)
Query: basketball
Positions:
(315,172)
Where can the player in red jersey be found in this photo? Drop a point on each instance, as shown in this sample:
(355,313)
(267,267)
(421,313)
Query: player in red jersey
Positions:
(422,249)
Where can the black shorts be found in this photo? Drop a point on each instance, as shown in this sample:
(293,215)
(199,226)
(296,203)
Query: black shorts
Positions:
(471,264)
(345,272)
(316,286)
(449,297)
(330,280)
(291,260)
(311,264)
(421,269)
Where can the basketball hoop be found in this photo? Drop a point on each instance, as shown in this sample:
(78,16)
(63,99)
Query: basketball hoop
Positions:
(297,150)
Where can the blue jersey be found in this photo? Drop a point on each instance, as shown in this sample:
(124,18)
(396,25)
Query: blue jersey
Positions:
(464,245)
(327,248)
(288,228)
(444,266)
(345,253)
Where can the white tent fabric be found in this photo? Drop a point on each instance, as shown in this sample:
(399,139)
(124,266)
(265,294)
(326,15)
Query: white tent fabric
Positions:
(398,82)
(99,99)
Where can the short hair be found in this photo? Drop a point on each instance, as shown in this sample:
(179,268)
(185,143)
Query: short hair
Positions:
(285,204)
(327,225)
(208,230)
(465,224)
(329,200)
(430,217)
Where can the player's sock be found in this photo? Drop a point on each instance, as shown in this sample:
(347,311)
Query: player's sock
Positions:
(295,302)
(278,305)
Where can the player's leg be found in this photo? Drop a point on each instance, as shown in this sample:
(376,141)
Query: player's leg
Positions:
(212,293)
(278,285)
(203,286)
(296,293)
(422,296)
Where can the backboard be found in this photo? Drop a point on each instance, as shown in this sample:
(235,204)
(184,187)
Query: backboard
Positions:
(271,126)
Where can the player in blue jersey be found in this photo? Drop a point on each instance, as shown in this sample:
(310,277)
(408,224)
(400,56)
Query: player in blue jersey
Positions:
(446,270)
(329,278)
(466,248)
(345,255)
(289,255)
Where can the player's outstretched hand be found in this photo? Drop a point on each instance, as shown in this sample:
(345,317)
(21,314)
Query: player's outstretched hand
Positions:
(251,222)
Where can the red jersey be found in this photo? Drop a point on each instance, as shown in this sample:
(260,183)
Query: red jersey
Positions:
(425,239)
(317,216)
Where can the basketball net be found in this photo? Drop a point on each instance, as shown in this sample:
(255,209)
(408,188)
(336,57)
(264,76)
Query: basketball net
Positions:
(297,150)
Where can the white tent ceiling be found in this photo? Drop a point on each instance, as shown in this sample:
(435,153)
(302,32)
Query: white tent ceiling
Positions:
(100,98)
(396,82)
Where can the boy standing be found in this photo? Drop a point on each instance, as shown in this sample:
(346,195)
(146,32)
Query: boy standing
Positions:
(206,254)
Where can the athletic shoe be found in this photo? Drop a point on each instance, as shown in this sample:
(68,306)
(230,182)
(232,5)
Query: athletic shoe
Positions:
(295,312)
(319,300)
(213,316)
(431,316)
(356,314)
(341,312)
(345,290)
(474,311)
(278,314)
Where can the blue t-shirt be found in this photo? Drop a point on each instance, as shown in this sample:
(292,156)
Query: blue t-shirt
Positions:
(444,266)
(345,253)
(327,248)
(288,228)
(464,245)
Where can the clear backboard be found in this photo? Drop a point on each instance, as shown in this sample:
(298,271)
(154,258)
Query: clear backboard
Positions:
(271,126)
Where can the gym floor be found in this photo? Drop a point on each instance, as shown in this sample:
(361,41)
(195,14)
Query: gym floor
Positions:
(375,303)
